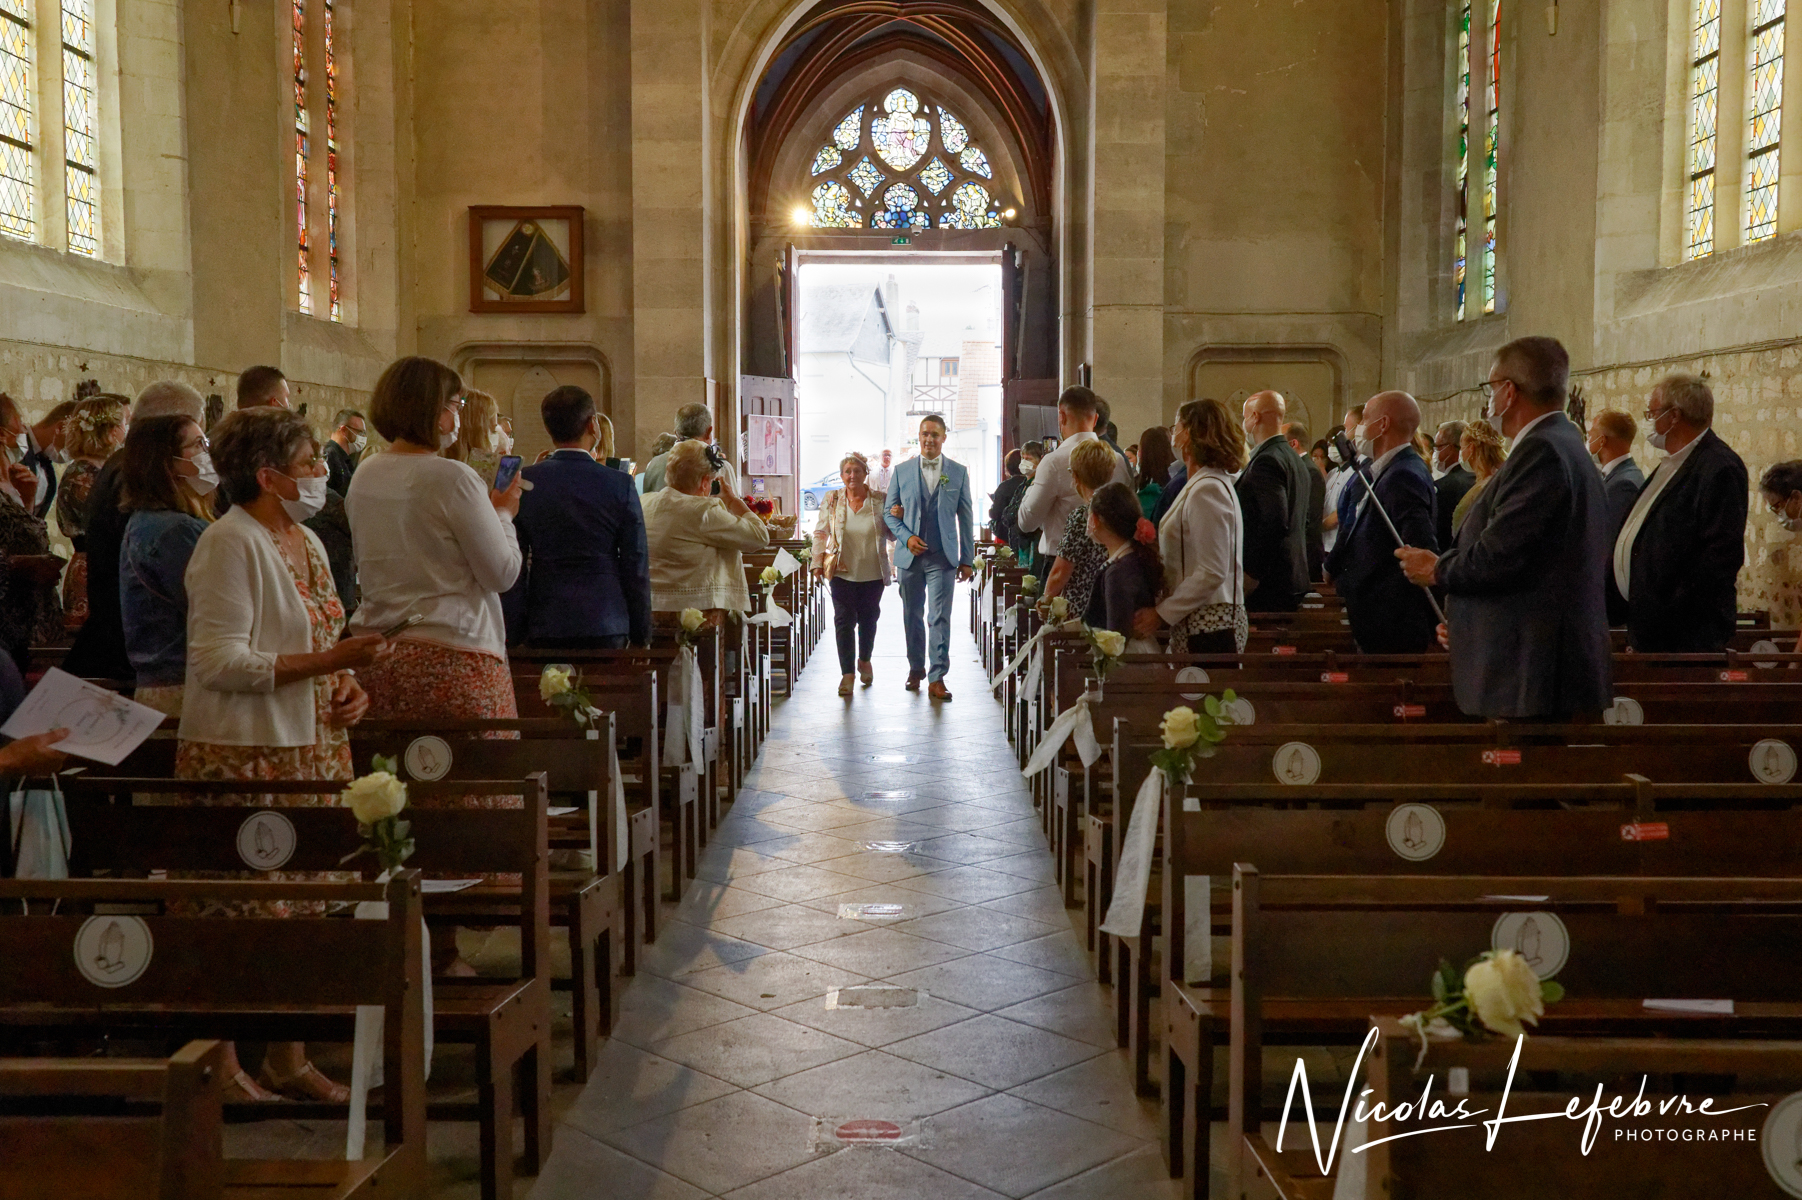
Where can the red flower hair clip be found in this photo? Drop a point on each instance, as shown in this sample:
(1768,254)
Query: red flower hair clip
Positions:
(1145,531)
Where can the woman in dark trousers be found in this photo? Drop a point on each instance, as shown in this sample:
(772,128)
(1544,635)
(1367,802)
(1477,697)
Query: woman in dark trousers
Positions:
(851,549)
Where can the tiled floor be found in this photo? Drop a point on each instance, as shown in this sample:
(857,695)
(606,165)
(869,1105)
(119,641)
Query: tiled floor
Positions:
(731,1071)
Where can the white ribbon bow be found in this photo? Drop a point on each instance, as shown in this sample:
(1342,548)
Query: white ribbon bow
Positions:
(773,614)
(366,1046)
(785,562)
(1074,721)
(1126,912)
(685,701)
(1030,651)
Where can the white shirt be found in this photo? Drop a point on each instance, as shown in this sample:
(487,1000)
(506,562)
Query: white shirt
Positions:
(1335,484)
(1608,467)
(1376,472)
(930,469)
(1642,507)
(1524,429)
(1051,496)
(879,481)
(429,542)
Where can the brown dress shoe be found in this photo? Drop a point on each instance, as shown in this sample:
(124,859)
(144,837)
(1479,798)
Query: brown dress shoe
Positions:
(914,679)
(938,691)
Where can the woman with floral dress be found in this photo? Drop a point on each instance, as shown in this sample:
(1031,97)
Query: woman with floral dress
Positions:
(92,432)
(271,690)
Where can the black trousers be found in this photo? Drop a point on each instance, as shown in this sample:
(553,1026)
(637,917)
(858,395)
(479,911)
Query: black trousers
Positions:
(855,607)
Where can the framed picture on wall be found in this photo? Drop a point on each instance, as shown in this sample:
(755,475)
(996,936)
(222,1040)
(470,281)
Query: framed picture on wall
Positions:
(525,259)
(769,445)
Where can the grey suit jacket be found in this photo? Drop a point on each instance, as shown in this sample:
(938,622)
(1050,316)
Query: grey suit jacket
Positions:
(1622,487)
(1525,594)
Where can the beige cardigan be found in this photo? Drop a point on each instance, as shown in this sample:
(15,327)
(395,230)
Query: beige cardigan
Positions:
(244,611)
(697,547)
(828,534)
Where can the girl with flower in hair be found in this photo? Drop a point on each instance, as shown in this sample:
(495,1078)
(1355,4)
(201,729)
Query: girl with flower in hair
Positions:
(92,432)
(1134,576)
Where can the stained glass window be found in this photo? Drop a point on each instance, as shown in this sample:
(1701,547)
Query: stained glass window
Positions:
(1461,232)
(81,182)
(952,132)
(970,209)
(901,135)
(331,161)
(850,130)
(828,158)
(1491,139)
(936,176)
(832,207)
(301,150)
(17,217)
(866,176)
(1704,93)
(901,210)
(1764,91)
(975,162)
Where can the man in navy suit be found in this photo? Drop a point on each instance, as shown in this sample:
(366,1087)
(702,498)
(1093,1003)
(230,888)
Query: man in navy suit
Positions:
(585,582)
(1526,611)
(1389,615)
(934,521)
(1611,434)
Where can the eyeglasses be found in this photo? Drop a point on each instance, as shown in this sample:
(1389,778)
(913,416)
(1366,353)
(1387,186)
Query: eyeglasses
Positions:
(455,402)
(1489,386)
(1655,416)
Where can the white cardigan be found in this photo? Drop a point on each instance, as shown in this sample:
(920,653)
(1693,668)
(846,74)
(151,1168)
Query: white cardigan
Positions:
(243,611)
(1200,542)
(696,547)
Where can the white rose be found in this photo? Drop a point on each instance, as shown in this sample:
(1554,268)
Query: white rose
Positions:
(1029,583)
(375,797)
(553,681)
(1060,609)
(693,619)
(770,577)
(1503,991)
(1110,643)
(1181,727)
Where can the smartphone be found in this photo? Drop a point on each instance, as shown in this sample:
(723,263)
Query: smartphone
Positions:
(503,476)
(402,626)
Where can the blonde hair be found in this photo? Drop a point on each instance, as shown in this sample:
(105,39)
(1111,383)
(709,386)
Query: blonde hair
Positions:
(687,466)
(475,429)
(854,457)
(87,430)
(1484,446)
(605,448)
(1092,463)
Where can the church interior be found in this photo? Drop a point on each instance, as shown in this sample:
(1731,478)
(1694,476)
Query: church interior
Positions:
(769,932)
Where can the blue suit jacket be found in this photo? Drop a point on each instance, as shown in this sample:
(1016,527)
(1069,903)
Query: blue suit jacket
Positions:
(586,571)
(950,505)
(1388,614)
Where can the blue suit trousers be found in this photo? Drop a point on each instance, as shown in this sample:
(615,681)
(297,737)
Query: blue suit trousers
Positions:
(926,590)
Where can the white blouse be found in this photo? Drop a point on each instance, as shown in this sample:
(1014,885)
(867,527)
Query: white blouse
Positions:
(1200,543)
(429,541)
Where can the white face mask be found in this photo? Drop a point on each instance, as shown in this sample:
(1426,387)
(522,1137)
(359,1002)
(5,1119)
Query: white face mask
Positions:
(357,443)
(1792,524)
(1654,439)
(312,498)
(503,441)
(1363,441)
(447,440)
(208,479)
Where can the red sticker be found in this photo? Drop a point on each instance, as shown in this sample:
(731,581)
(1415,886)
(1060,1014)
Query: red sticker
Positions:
(1734,677)
(1282,649)
(868,1131)
(1649,831)
(1405,711)
(1501,758)
(1334,677)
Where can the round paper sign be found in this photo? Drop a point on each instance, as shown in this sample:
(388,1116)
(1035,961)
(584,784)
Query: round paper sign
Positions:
(1624,711)
(112,951)
(1782,1144)
(1191,675)
(1766,646)
(266,840)
(1242,711)
(1296,763)
(428,758)
(1538,937)
(1416,831)
(1773,761)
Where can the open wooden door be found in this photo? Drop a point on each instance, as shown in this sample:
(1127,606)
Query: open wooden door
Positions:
(1028,406)
(769,440)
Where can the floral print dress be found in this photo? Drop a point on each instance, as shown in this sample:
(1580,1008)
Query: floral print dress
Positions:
(72,492)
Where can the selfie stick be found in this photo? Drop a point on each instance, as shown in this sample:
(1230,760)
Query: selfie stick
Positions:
(1351,456)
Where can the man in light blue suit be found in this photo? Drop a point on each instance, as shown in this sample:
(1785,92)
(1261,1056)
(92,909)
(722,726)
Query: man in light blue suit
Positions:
(933,519)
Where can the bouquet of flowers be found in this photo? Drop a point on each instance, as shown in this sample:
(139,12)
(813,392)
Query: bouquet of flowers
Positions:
(376,799)
(1496,992)
(1190,736)
(764,507)
(565,693)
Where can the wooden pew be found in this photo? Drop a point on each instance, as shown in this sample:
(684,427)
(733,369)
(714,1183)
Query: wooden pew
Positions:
(508,1022)
(185,985)
(1315,957)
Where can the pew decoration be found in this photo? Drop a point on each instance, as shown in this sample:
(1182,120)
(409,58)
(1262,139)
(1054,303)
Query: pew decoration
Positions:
(1032,655)
(682,729)
(1105,647)
(563,691)
(376,800)
(688,632)
(1497,992)
(1189,736)
(1029,585)
(773,614)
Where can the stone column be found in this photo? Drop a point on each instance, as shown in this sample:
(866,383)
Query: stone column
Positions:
(669,226)
(1126,205)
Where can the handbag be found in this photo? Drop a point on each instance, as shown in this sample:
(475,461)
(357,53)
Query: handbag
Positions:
(38,832)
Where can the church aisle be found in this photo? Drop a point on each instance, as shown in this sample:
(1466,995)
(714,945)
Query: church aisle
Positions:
(970,1022)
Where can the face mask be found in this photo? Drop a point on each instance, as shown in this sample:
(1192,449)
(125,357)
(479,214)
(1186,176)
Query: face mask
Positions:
(447,440)
(1596,458)
(1366,446)
(1332,455)
(1792,524)
(312,498)
(503,441)
(208,479)
(1027,469)
(1654,439)
(357,443)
